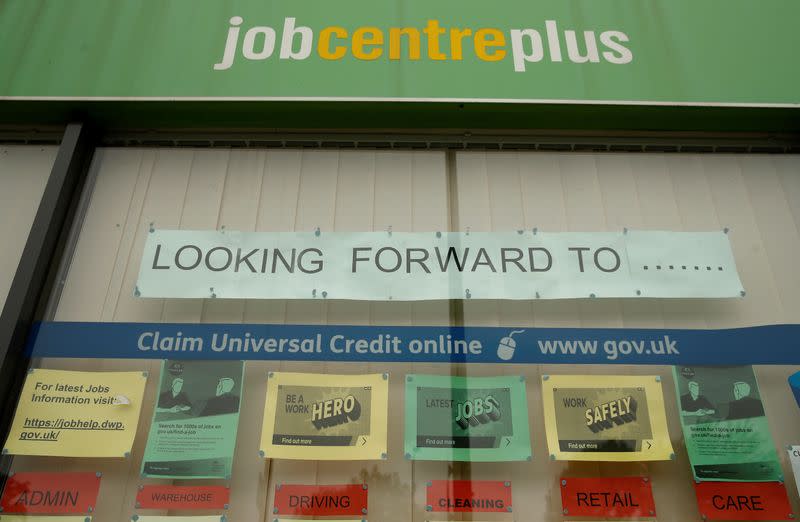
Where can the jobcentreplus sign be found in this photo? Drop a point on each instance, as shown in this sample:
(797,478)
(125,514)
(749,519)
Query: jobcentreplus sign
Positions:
(441,43)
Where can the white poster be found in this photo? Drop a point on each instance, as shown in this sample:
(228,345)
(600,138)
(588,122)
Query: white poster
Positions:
(383,266)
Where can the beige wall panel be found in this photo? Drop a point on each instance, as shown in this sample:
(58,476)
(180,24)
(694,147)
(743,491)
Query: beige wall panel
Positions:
(316,203)
(96,253)
(659,211)
(786,168)
(349,191)
(102,261)
(653,191)
(130,232)
(623,209)
(101,240)
(492,183)
(24,171)
(774,219)
(353,210)
(585,211)
(277,211)
(735,211)
(91,270)
(426,188)
(544,201)
(757,197)
(238,204)
(246,190)
(696,211)
(616,178)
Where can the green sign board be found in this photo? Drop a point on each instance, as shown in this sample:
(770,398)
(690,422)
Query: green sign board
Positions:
(478,419)
(726,431)
(659,52)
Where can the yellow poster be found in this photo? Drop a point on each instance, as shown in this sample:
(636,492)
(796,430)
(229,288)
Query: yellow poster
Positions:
(326,520)
(312,416)
(605,418)
(37,518)
(77,414)
(164,518)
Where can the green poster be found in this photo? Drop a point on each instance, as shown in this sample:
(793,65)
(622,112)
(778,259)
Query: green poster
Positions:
(724,426)
(193,432)
(478,419)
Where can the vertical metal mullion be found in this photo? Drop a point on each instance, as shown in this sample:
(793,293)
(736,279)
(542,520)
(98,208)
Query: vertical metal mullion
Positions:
(461,470)
(453,225)
(36,270)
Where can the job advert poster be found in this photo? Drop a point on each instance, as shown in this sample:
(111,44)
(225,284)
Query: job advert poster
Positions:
(314,416)
(726,431)
(605,418)
(195,419)
(478,419)
(77,414)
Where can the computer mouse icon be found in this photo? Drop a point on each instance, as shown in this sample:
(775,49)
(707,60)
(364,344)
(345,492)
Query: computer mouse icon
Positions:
(505,350)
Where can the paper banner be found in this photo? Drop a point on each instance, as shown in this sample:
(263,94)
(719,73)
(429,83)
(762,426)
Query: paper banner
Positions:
(182,497)
(743,501)
(77,414)
(469,496)
(171,518)
(50,492)
(326,500)
(193,431)
(605,418)
(312,416)
(724,427)
(37,518)
(411,266)
(614,497)
(478,419)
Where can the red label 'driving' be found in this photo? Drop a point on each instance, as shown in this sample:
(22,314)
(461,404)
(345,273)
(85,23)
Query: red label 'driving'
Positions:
(331,500)
(743,501)
(469,495)
(39,493)
(617,497)
(183,497)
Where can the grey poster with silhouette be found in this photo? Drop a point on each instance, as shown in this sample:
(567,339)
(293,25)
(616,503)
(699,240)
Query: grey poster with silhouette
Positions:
(726,431)
(195,419)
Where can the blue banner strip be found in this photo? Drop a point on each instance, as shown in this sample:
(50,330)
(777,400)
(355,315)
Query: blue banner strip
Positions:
(774,344)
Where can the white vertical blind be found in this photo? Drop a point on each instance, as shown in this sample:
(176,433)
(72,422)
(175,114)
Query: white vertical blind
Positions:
(757,197)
